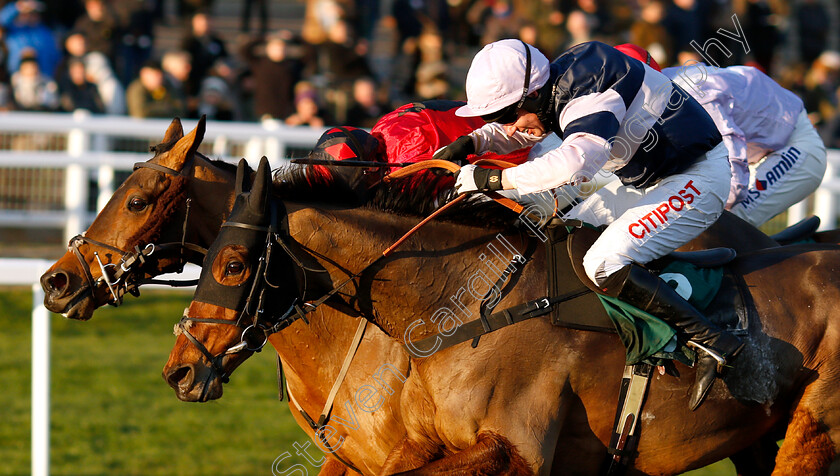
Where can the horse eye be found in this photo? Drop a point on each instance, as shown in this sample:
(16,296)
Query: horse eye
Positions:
(136,204)
(234,268)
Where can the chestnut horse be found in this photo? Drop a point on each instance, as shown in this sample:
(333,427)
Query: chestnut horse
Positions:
(531,398)
(150,207)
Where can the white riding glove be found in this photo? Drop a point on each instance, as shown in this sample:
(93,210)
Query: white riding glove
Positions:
(477,179)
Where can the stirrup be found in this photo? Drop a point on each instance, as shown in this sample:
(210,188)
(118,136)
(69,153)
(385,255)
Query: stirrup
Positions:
(720,359)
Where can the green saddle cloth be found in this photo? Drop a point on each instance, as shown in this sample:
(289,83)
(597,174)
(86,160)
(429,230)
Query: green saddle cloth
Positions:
(648,339)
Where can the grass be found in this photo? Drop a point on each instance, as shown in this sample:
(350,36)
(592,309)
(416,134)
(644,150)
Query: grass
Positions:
(112,413)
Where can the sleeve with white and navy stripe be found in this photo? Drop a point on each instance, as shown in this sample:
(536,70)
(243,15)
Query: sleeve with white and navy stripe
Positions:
(616,113)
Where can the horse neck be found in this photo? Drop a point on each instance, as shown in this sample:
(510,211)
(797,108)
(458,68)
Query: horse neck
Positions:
(312,354)
(210,189)
(419,279)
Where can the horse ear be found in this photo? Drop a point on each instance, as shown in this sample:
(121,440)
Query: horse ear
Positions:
(243,178)
(258,199)
(178,155)
(175,131)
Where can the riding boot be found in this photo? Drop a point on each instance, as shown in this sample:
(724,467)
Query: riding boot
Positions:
(715,347)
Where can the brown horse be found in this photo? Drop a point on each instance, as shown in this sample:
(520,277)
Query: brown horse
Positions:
(533,397)
(150,207)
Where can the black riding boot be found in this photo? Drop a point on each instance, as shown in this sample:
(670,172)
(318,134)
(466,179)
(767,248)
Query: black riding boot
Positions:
(638,287)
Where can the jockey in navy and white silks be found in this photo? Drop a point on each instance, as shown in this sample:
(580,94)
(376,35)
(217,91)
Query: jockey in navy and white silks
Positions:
(607,108)
(620,115)
(776,155)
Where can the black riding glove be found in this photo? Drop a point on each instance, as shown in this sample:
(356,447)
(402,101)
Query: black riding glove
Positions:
(457,151)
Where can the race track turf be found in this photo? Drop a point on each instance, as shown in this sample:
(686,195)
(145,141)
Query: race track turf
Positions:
(113,414)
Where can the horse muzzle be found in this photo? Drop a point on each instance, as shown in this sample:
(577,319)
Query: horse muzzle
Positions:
(67,295)
(194,383)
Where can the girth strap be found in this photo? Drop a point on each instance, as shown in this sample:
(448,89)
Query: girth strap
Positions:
(495,321)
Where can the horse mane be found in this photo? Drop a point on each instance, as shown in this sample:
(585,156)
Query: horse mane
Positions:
(225,166)
(417,196)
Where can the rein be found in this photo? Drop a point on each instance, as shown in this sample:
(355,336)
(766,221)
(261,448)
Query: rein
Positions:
(119,281)
(263,321)
(409,170)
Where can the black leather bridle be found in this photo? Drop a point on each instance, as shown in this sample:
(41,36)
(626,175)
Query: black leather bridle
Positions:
(127,274)
(256,319)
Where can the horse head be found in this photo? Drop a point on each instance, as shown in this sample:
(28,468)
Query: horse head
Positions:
(236,305)
(120,248)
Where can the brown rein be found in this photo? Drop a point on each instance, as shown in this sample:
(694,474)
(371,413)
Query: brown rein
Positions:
(401,173)
(452,167)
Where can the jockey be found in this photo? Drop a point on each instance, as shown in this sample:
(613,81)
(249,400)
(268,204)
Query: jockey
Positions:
(765,129)
(616,114)
(411,133)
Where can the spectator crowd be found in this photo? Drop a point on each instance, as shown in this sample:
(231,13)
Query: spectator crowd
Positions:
(350,62)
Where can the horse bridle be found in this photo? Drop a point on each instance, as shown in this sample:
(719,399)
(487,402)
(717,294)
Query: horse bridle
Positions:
(276,235)
(260,319)
(254,319)
(131,262)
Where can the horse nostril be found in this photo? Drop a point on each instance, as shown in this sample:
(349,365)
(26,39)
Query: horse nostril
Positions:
(56,283)
(176,376)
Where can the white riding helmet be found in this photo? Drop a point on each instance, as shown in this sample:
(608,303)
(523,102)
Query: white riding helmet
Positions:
(498,77)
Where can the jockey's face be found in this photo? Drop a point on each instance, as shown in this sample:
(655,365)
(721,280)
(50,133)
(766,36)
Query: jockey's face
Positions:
(526,122)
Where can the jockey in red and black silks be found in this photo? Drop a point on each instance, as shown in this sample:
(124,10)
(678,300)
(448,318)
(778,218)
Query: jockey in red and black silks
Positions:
(415,131)
(343,143)
(411,133)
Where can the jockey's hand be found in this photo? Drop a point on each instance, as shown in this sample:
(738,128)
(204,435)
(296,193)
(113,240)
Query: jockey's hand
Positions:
(472,178)
(457,151)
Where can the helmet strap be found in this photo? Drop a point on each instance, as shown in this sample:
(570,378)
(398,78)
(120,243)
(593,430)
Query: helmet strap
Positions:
(527,75)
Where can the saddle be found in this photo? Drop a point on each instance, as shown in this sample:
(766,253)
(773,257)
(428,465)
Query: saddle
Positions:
(565,259)
(572,301)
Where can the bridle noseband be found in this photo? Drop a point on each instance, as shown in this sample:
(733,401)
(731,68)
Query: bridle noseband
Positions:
(126,276)
(257,323)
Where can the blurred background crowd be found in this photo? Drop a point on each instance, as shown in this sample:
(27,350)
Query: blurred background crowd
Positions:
(324,62)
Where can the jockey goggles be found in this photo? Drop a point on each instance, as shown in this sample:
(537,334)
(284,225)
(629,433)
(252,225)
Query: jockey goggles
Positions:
(508,115)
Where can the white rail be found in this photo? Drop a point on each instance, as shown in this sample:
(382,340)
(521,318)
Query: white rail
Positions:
(27,272)
(20,272)
(80,146)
